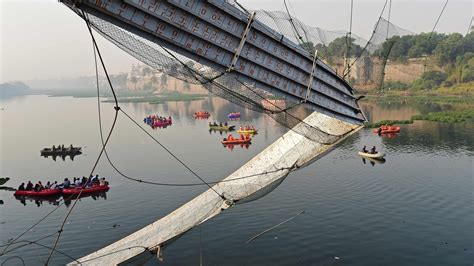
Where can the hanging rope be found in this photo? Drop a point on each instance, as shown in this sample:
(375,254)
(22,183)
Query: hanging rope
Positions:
(297,34)
(349,43)
(374,32)
(433,30)
(470,25)
(117,108)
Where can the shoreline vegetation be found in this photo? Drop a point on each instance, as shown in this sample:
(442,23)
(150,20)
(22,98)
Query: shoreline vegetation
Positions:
(126,96)
(445,117)
(161,98)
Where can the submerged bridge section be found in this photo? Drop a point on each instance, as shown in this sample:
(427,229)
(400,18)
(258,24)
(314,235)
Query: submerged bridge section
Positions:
(221,36)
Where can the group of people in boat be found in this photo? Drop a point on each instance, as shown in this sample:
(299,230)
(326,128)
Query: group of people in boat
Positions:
(154,118)
(242,137)
(247,128)
(202,113)
(372,151)
(387,128)
(62,148)
(214,124)
(76,182)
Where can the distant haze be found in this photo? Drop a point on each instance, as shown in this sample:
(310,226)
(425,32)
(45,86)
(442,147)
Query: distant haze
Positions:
(45,40)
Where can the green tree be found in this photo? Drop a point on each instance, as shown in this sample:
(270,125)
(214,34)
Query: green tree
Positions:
(338,47)
(429,80)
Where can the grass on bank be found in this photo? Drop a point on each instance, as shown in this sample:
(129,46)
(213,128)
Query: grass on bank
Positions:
(446,117)
(162,98)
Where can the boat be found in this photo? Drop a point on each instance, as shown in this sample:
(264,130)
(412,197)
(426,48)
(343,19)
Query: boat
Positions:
(378,155)
(240,140)
(387,129)
(157,121)
(202,114)
(87,190)
(61,151)
(247,131)
(221,128)
(42,193)
(162,123)
(234,115)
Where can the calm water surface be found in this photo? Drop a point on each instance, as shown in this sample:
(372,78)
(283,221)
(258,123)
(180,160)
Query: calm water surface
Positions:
(415,209)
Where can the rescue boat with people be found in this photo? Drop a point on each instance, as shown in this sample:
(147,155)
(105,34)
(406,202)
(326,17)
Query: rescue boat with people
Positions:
(247,130)
(234,115)
(42,193)
(387,129)
(162,123)
(231,140)
(86,190)
(378,155)
(202,114)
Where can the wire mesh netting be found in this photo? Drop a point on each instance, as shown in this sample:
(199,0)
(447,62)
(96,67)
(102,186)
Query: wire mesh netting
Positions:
(227,85)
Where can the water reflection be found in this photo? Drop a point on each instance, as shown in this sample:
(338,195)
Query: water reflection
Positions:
(243,146)
(55,200)
(373,161)
(62,156)
(38,201)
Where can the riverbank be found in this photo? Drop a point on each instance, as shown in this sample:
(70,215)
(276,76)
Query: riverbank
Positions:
(463,91)
(161,98)
(446,117)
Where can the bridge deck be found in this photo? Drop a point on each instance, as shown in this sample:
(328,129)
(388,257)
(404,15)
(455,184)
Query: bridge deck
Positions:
(211,33)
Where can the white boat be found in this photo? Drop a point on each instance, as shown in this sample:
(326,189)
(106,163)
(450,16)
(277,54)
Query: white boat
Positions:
(378,155)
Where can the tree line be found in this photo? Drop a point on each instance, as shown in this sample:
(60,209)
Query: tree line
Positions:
(454,53)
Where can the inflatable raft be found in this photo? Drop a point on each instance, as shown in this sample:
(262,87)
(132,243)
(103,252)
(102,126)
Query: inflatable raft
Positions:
(236,141)
(42,193)
(385,130)
(234,115)
(87,190)
(202,114)
(378,155)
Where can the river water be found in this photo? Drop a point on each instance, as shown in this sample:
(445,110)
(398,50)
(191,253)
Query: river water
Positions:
(414,209)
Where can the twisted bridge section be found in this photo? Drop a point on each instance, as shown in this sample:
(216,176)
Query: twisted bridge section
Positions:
(229,41)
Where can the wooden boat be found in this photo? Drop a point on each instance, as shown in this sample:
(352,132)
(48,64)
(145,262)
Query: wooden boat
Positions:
(42,193)
(87,190)
(222,128)
(378,155)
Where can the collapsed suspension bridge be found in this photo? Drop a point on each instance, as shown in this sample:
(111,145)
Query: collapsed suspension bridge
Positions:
(230,52)
(236,55)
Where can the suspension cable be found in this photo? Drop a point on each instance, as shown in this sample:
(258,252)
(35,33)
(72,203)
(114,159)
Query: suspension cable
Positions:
(117,108)
(370,39)
(433,30)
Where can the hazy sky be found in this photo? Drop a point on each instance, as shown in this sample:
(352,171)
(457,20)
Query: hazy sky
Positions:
(44,39)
